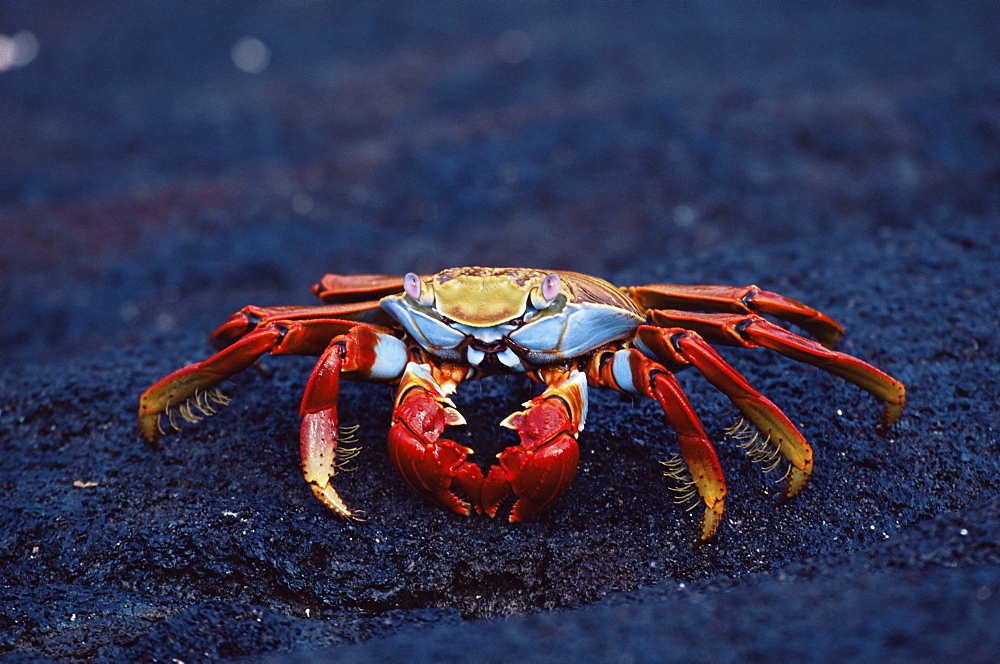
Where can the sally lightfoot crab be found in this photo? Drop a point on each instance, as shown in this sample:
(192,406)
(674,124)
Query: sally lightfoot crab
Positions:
(568,331)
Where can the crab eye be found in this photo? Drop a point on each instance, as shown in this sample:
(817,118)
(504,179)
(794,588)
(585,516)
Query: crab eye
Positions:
(543,295)
(412,285)
(550,287)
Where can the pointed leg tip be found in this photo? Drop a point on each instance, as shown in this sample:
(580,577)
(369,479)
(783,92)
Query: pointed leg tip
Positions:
(890,415)
(332,500)
(710,524)
(797,480)
(149,427)
(787,496)
(704,540)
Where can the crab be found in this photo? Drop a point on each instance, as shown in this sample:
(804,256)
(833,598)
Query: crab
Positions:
(567,331)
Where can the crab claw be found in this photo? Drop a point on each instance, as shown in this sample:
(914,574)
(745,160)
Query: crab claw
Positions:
(431,465)
(541,468)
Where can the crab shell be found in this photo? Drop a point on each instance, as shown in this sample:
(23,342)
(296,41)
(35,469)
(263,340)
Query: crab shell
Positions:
(512,319)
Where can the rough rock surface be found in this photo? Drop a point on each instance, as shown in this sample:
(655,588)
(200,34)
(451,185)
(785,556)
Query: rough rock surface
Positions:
(847,155)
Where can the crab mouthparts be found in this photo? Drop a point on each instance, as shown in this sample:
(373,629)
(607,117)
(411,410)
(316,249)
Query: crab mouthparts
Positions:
(492,356)
(497,346)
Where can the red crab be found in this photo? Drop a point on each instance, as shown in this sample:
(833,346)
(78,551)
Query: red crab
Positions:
(426,334)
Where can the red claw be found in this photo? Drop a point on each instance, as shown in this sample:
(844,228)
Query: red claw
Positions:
(538,477)
(541,469)
(538,471)
(431,465)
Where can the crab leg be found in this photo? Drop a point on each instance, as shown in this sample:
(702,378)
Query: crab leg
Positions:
(541,468)
(750,331)
(733,299)
(361,353)
(431,465)
(681,346)
(251,318)
(339,288)
(632,372)
(184,389)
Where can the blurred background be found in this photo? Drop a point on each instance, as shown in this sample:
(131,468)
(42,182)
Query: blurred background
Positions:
(151,152)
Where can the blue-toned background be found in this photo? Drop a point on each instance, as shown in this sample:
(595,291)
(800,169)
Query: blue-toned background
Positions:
(164,164)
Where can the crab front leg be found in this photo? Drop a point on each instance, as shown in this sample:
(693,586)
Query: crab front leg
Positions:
(632,372)
(433,466)
(361,354)
(192,391)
